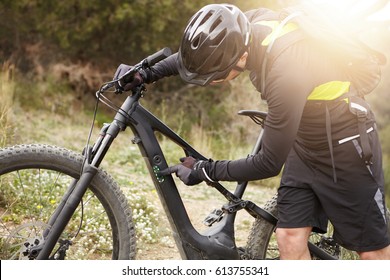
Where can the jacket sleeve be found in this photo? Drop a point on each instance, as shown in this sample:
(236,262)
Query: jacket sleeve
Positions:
(288,85)
(164,68)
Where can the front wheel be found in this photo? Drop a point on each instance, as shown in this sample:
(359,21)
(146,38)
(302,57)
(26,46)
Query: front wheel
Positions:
(33,179)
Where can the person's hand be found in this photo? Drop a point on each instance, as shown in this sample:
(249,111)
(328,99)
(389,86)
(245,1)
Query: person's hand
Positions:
(187,171)
(126,82)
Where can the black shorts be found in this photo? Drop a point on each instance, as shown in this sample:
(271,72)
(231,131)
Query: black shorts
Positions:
(308,195)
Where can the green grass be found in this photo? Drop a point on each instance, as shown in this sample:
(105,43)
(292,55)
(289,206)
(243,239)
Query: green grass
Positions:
(7,92)
(127,166)
(29,196)
(50,113)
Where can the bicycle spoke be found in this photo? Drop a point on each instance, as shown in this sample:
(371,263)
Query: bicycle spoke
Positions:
(33,185)
(35,202)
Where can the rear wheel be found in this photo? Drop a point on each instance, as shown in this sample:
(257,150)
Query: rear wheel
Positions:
(33,179)
(262,243)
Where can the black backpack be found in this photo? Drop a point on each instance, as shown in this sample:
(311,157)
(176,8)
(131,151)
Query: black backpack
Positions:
(361,63)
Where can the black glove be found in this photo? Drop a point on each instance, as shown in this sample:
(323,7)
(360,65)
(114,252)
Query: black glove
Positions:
(127,82)
(189,171)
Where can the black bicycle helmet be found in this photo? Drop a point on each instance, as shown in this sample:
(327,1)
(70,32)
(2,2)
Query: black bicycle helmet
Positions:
(213,42)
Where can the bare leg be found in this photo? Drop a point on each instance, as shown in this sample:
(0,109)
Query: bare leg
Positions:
(292,243)
(381,254)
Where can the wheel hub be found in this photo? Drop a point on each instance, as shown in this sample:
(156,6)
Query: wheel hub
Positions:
(25,241)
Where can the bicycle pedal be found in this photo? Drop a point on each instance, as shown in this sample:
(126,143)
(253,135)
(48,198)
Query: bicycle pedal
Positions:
(214,217)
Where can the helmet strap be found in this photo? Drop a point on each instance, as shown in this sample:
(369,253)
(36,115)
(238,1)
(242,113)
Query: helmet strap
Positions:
(238,68)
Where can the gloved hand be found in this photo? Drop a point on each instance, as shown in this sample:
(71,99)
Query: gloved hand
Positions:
(189,171)
(127,82)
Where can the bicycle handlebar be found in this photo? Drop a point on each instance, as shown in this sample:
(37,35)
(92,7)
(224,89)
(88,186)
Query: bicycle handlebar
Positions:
(156,57)
(145,63)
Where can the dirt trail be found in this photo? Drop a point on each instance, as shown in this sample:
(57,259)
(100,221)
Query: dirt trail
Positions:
(198,206)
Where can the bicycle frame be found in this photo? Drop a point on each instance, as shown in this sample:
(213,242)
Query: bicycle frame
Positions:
(218,242)
(190,243)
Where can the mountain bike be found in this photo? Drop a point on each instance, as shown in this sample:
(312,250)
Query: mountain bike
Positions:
(59,204)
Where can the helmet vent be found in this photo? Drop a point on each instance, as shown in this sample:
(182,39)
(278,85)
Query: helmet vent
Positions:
(194,20)
(206,18)
(220,37)
(195,43)
(213,43)
(215,24)
(229,7)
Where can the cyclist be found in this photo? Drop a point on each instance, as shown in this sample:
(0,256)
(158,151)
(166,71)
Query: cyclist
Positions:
(329,171)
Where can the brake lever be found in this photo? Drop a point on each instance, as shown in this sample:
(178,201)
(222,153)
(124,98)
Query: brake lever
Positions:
(107,86)
(146,63)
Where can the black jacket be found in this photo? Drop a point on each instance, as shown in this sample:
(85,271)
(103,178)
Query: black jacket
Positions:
(292,119)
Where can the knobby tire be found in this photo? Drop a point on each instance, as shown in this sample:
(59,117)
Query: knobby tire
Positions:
(33,180)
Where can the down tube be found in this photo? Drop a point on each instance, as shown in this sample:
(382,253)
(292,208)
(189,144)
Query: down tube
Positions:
(190,243)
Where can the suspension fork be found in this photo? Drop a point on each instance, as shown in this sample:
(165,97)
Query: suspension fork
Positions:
(72,185)
(77,189)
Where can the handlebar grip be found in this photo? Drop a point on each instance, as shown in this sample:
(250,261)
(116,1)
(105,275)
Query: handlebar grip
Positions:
(156,57)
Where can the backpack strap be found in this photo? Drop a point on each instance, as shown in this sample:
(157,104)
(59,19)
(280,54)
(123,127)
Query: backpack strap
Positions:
(328,125)
(358,107)
(284,41)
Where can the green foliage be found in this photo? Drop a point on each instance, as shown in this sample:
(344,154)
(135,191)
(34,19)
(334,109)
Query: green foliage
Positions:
(49,95)
(106,33)
(108,30)
(112,32)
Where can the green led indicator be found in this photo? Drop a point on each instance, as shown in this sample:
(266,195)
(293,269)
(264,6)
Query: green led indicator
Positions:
(156,171)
